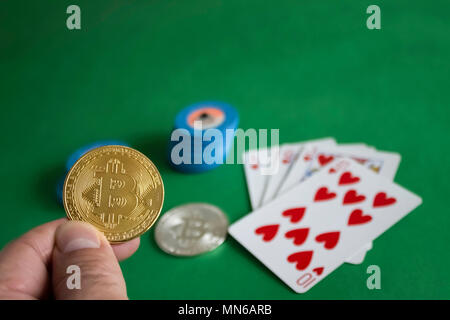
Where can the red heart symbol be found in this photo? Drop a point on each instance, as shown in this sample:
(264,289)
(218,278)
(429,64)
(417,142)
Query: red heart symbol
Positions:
(323,194)
(302,258)
(323,160)
(254,166)
(307,158)
(299,235)
(357,217)
(381,199)
(296,214)
(347,178)
(330,239)
(318,271)
(332,170)
(269,232)
(352,197)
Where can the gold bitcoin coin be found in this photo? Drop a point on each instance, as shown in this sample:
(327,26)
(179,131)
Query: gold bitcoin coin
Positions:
(115,188)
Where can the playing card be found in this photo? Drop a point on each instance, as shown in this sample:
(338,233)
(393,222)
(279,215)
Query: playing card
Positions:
(319,154)
(258,165)
(355,147)
(306,233)
(359,256)
(289,153)
(314,158)
(300,164)
(382,162)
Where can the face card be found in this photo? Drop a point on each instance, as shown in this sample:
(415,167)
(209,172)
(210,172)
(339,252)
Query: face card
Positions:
(384,163)
(289,153)
(308,232)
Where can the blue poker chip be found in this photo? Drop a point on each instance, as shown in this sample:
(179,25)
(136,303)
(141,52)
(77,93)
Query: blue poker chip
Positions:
(81,151)
(196,121)
(217,115)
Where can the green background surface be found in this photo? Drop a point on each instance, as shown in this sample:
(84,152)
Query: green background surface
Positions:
(310,68)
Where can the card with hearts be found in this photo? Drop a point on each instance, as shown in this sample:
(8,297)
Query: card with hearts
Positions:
(307,156)
(381,162)
(308,232)
(289,154)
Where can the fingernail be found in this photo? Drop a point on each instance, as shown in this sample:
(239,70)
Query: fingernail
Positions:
(76,235)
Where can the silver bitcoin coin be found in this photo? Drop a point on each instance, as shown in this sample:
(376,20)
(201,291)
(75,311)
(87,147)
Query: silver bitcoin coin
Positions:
(191,229)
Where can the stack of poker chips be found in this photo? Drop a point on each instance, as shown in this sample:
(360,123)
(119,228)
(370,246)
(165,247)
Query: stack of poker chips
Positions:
(208,115)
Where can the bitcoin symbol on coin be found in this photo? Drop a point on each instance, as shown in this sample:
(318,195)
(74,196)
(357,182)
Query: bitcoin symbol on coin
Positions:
(111,196)
(115,188)
(191,229)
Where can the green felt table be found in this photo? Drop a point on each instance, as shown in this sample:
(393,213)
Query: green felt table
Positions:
(309,68)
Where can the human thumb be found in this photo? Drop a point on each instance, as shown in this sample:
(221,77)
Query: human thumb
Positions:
(84,265)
